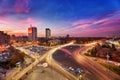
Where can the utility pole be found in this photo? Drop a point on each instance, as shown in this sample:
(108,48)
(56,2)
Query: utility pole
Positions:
(107,56)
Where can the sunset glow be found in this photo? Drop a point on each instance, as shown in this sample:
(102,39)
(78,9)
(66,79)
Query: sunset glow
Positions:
(74,17)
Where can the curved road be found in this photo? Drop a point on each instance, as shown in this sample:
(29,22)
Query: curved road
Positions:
(37,60)
(97,71)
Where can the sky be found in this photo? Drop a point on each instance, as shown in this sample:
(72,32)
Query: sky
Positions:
(79,18)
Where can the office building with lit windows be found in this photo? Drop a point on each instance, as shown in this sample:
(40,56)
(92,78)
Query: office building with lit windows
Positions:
(48,33)
(32,33)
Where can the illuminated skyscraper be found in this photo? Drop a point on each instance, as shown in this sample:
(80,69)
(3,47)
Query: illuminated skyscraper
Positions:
(48,33)
(32,33)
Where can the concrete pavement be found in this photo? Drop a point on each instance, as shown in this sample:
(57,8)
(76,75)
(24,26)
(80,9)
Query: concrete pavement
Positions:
(41,73)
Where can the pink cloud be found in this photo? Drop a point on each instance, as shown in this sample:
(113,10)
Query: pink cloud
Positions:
(82,26)
(111,21)
(100,31)
(100,21)
(22,6)
(82,21)
(101,27)
(111,18)
(115,13)
(14,26)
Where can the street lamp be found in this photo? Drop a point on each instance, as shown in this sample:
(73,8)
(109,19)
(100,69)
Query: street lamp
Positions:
(108,56)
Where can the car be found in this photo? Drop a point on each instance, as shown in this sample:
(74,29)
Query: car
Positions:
(71,68)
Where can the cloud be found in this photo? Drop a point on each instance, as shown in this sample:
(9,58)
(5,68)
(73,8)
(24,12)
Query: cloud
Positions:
(95,32)
(22,6)
(84,26)
(94,27)
(100,21)
(11,25)
(110,18)
(14,7)
(83,21)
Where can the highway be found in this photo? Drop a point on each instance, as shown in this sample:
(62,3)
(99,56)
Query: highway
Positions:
(56,66)
(59,68)
(97,71)
(36,58)
(25,70)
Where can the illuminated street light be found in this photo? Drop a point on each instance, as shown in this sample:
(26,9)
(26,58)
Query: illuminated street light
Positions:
(107,56)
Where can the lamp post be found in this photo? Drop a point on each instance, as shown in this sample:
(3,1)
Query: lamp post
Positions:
(108,56)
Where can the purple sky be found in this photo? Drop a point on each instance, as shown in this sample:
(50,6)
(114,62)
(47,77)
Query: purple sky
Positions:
(73,17)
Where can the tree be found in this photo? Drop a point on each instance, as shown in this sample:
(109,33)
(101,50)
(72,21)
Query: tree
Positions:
(113,47)
(119,42)
(93,52)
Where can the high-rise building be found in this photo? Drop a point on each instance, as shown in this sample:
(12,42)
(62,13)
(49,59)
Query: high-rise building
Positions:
(48,33)
(32,33)
(4,38)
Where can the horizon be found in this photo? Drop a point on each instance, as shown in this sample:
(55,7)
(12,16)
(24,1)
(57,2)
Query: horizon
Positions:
(78,18)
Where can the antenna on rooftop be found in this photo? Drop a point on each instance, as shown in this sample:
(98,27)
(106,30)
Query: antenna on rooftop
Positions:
(30,25)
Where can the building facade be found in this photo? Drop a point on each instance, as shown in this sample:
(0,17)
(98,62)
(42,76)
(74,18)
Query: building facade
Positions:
(4,38)
(48,33)
(32,33)
(21,39)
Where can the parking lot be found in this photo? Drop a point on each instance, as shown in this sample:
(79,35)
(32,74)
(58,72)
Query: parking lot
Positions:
(37,49)
(68,63)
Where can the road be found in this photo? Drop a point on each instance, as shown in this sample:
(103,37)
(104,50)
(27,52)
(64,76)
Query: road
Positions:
(97,71)
(36,60)
(25,70)
(56,66)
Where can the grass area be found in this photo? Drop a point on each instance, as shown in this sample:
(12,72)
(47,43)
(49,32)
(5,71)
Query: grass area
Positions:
(113,68)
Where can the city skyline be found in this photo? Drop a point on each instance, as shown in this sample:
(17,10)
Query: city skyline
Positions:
(75,17)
